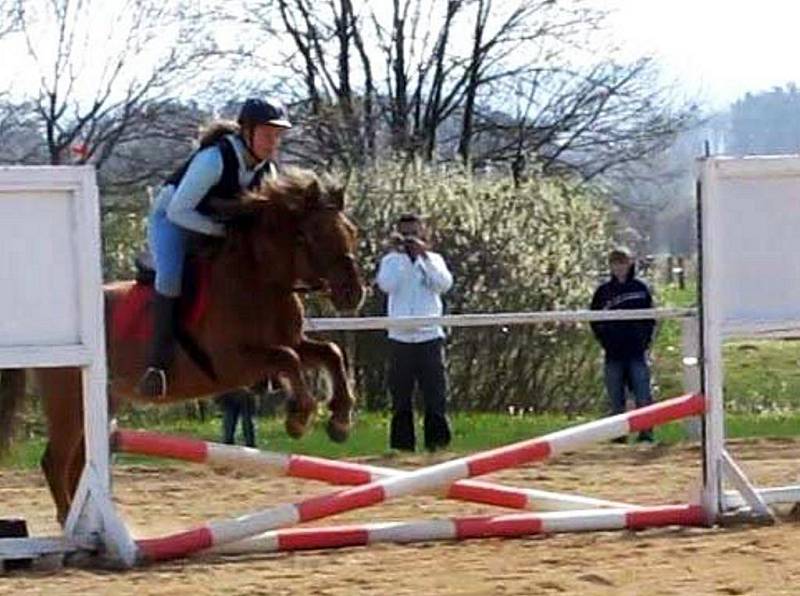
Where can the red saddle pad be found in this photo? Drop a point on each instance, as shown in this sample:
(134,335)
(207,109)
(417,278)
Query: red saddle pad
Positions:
(132,315)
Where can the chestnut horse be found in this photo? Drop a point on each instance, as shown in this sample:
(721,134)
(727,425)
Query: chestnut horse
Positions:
(290,235)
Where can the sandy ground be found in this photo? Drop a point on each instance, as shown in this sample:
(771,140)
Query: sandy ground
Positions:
(157,500)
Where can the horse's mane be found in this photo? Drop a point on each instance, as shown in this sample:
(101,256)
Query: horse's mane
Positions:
(272,214)
(295,189)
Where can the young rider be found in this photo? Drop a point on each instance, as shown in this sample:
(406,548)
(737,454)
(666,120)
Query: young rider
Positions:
(232,157)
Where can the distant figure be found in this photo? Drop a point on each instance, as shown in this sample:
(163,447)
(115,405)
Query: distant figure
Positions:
(414,277)
(236,404)
(625,342)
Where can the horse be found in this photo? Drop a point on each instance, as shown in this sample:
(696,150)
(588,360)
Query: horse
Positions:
(289,236)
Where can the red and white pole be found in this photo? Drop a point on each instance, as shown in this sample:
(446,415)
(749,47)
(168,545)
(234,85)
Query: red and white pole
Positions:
(339,472)
(424,480)
(511,525)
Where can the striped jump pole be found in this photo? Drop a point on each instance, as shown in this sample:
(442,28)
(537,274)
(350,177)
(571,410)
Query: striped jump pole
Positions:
(338,472)
(424,480)
(464,528)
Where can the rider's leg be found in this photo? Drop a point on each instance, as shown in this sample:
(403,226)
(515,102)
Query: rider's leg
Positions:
(168,245)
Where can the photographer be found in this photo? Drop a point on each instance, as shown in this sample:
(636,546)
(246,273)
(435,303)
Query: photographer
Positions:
(414,278)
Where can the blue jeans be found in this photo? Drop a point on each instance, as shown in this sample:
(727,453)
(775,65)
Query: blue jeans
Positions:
(633,373)
(168,246)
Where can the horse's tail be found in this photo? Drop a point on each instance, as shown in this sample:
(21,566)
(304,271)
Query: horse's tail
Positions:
(12,392)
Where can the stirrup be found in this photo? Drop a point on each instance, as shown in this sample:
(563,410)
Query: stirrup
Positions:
(153,383)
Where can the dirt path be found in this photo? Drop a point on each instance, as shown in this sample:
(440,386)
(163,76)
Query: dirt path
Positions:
(157,500)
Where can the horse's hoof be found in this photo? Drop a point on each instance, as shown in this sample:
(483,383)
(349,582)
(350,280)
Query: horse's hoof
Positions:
(338,432)
(294,429)
(297,424)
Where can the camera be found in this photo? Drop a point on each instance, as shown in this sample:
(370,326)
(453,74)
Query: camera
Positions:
(407,243)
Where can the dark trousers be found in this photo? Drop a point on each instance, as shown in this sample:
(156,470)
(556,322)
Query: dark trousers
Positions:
(235,404)
(418,364)
(633,373)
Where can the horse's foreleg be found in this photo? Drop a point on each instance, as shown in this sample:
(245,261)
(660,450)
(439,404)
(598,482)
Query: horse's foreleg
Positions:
(300,405)
(330,357)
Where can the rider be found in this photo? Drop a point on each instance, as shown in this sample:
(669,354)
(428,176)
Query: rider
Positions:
(232,157)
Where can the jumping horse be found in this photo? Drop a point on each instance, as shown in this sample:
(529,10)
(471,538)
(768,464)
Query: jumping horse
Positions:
(289,236)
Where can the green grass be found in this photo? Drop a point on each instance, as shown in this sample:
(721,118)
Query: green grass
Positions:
(472,432)
(762,400)
(760,376)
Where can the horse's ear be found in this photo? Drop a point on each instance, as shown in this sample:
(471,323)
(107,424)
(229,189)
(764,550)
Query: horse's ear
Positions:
(334,192)
(336,198)
(313,194)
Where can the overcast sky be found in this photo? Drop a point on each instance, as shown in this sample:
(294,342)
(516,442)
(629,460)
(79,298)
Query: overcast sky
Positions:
(719,48)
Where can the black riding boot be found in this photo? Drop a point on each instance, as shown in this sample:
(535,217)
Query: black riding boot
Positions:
(154,381)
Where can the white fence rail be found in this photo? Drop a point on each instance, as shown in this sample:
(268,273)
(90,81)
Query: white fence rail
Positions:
(490,319)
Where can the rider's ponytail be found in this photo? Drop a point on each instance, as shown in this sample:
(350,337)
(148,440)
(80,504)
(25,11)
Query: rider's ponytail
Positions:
(213,132)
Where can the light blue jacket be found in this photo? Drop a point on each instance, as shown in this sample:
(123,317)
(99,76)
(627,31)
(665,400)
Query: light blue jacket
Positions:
(204,172)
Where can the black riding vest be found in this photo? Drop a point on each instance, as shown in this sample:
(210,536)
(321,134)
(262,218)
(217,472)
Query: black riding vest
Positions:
(228,186)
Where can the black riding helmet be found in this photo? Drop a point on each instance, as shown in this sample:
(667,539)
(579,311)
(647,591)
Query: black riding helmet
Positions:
(260,111)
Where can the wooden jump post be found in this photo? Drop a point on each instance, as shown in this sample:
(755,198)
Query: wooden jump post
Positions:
(52,305)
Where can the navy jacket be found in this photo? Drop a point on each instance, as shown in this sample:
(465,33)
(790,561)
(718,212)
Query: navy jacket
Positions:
(623,339)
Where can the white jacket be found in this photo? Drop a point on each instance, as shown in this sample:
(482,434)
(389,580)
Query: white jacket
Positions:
(414,290)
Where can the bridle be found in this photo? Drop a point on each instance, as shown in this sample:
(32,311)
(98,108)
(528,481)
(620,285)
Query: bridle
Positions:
(317,282)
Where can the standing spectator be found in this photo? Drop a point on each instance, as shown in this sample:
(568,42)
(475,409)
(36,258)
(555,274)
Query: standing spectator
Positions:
(236,404)
(625,342)
(414,278)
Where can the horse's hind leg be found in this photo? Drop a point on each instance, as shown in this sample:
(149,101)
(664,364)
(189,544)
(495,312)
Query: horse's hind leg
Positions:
(54,482)
(300,406)
(63,458)
(329,356)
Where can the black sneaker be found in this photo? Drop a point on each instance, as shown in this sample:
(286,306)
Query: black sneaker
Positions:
(620,440)
(408,448)
(433,447)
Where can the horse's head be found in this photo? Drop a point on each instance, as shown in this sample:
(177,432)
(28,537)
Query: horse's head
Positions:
(327,244)
(299,219)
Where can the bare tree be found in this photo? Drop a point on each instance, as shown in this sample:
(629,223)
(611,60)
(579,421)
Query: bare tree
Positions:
(533,28)
(438,101)
(8,17)
(517,81)
(589,122)
(328,48)
(8,24)
(108,73)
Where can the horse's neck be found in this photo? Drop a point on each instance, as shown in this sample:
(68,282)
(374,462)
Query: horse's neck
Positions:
(247,302)
(238,268)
